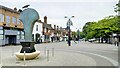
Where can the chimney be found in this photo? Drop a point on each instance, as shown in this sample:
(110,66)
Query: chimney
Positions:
(45,19)
(60,28)
(55,27)
(15,9)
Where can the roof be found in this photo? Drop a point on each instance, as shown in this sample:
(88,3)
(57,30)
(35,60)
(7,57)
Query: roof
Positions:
(39,21)
(8,9)
(47,26)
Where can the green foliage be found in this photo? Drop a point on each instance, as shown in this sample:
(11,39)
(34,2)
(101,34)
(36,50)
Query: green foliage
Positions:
(82,35)
(102,28)
(88,29)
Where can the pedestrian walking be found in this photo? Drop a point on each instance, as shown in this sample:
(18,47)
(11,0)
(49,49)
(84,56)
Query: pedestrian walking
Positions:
(116,42)
(75,40)
(78,40)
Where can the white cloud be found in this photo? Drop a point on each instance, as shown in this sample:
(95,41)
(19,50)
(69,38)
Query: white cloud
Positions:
(84,10)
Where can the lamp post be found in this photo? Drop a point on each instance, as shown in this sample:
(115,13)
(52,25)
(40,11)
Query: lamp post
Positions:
(69,23)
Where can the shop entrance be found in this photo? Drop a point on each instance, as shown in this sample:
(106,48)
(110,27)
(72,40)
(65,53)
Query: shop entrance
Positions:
(37,38)
(10,39)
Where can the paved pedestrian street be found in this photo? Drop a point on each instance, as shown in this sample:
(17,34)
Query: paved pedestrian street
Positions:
(60,54)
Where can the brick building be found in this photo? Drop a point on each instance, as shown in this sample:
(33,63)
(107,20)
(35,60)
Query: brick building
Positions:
(42,31)
(11,28)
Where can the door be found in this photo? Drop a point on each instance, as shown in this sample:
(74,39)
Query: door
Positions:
(11,39)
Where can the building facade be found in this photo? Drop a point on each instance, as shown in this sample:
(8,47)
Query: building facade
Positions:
(58,34)
(47,30)
(11,28)
(37,32)
(41,31)
(44,32)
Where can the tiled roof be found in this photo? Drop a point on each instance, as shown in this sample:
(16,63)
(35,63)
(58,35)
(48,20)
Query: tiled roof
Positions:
(47,26)
(8,9)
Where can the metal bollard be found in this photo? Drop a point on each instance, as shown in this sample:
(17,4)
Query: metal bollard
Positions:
(52,51)
(45,50)
(24,58)
(0,58)
(12,51)
(1,53)
(47,55)
(0,65)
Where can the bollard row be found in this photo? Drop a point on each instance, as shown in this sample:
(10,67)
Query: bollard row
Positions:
(48,53)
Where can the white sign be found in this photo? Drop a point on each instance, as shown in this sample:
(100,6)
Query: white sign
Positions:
(114,34)
(1,31)
(1,36)
(18,32)
(18,36)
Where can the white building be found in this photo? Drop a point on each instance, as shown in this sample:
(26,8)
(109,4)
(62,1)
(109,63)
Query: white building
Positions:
(37,32)
(42,31)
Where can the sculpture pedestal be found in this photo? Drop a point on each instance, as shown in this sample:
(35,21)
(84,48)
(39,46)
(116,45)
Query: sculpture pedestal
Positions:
(28,56)
(30,52)
(28,47)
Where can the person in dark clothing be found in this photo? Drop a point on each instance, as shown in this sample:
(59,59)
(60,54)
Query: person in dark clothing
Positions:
(52,39)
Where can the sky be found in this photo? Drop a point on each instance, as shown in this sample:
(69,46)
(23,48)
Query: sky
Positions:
(55,10)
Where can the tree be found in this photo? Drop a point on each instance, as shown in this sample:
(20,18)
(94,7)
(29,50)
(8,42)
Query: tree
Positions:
(103,28)
(88,30)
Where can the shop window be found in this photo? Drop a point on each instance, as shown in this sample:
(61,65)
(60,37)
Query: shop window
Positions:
(22,35)
(1,31)
(18,35)
(1,34)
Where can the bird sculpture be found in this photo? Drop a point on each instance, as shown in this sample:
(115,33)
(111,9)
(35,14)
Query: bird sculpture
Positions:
(25,6)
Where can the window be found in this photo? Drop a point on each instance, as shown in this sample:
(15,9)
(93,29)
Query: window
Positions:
(1,31)
(32,37)
(1,34)
(36,27)
(18,21)
(1,17)
(7,19)
(45,30)
(14,20)
(18,35)
(22,35)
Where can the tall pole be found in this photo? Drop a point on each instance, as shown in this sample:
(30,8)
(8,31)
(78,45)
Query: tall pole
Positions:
(118,34)
(69,40)
(69,23)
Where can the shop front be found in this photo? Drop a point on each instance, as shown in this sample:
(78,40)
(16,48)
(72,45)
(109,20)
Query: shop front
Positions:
(10,37)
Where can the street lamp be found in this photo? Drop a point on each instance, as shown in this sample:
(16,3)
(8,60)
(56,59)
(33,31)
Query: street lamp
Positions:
(69,23)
